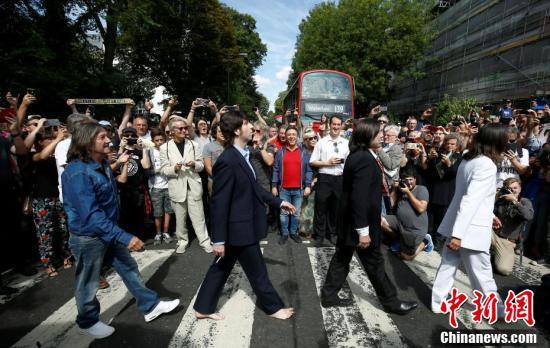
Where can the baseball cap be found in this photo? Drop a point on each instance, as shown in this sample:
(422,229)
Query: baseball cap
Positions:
(129,130)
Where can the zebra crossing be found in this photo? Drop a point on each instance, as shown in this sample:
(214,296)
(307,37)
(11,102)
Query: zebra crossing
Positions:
(297,272)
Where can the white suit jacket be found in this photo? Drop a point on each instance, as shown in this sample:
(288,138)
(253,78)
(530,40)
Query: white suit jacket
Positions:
(470,214)
(187,181)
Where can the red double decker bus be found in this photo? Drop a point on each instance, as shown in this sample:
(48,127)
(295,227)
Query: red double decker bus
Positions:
(316,92)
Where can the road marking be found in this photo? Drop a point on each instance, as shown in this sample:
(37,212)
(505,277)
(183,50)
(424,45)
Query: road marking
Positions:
(60,330)
(237,303)
(425,266)
(264,242)
(528,272)
(364,324)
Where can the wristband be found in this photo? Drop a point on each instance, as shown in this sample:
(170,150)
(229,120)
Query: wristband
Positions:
(192,110)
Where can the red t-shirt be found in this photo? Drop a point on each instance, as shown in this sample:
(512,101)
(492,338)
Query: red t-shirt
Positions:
(277,143)
(292,169)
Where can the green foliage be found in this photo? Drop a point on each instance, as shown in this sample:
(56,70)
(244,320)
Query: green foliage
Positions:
(451,106)
(373,40)
(193,48)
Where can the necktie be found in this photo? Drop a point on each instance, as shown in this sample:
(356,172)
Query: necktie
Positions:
(385,187)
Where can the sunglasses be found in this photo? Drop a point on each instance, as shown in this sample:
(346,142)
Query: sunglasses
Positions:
(312,138)
(33,124)
(257,130)
(182,128)
(382,121)
(335,147)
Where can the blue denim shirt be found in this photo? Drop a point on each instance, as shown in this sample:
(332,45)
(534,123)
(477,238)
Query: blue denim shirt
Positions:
(90,201)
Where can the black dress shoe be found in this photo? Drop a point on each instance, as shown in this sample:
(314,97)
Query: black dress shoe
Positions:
(296,238)
(333,239)
(337,302)
(319,242)
(403,307)
(282,240)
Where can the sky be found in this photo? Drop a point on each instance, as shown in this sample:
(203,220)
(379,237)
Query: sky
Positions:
(277,23)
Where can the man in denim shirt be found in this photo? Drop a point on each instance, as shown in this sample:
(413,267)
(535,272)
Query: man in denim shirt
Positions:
(90,201)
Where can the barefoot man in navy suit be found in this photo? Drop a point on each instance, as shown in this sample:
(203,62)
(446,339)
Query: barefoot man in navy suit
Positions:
(238,224)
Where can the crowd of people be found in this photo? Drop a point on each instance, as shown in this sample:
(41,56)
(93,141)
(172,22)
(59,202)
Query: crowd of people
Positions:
(164,175)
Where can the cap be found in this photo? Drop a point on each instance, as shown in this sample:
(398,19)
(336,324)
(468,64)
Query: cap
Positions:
(105,123)
(33,117)
(129,130)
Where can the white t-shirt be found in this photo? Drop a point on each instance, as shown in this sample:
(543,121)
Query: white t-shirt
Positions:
(158,181)
(61,161)
(327,148)
(506,170)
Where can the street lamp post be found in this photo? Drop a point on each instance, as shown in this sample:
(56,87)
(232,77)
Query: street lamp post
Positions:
(241,54)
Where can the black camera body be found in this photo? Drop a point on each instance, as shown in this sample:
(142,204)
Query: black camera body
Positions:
(131,141)
(402,183)
(504,191)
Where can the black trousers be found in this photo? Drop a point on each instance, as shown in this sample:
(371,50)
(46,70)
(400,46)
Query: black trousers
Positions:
(372,261)
(328,194)
(251,259)
(438,212)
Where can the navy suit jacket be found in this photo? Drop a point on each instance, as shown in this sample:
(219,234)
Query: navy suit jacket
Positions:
(237,209)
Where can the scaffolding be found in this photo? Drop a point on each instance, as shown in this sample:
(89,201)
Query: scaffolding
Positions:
(490,50)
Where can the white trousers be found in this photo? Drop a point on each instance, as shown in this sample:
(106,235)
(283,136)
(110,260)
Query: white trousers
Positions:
(478,267)
(196,213)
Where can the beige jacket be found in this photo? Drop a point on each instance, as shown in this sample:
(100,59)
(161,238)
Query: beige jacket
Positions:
(187,181)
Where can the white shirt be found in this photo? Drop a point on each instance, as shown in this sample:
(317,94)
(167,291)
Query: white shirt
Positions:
(61,161)
(157,181)
(328,148)
(506,170)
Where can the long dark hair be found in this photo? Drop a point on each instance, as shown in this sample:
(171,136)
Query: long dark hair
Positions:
(490,141)
(82,141)
(366,129)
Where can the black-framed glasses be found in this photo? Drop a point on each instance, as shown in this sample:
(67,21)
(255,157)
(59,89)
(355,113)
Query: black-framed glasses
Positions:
(181,129)
(311,138)
(335,147)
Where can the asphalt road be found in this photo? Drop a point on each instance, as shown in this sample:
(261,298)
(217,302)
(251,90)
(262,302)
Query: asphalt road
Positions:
(42,313)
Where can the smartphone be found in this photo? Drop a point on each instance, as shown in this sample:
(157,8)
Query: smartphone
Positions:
(341,160)
(411,146)
(53,122)
(254,109)
(232,108)
(31,91)
(383,109)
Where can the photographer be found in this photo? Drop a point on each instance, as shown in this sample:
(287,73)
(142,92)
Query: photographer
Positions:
(441,173)
(49,217)
(132,192)
(515,161)
(511,213)
(506,112)
(410,224)
(414,156)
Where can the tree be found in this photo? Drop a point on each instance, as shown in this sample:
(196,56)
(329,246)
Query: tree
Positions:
(373,40)
(451,106)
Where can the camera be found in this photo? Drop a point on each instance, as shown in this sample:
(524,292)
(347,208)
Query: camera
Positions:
(412,146)
(131,141)
(231,107)
(402,183)
(504,191)
(31,91)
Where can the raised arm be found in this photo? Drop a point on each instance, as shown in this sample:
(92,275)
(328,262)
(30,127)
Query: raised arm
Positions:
(126,117)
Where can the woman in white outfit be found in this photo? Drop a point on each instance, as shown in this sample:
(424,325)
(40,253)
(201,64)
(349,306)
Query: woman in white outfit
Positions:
(468,221)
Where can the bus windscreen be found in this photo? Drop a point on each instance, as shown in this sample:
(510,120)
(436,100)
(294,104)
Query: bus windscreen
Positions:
(326,85)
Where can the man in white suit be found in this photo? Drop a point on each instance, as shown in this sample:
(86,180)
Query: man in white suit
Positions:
(180,162)
(469,219)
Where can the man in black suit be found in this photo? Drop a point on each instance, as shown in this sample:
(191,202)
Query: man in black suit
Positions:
(361,215)
(238,217)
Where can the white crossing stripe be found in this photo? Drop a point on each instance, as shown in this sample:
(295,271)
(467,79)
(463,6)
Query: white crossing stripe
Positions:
(237,303)
(60,330)
(425,266)
(365,324)
(528,272)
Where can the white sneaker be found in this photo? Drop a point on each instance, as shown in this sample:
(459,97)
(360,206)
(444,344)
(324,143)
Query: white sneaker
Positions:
(162,308)
(158,239)
(166,237)
(98,330)
(181,248)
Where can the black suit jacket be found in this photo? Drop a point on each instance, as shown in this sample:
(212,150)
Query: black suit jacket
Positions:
(362,198)
(442,189)
(237,210)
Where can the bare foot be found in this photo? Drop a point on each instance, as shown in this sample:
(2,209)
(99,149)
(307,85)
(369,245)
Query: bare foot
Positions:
(283,313)
(213,316)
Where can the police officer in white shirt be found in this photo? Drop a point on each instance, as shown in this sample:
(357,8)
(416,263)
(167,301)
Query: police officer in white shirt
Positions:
(328,156)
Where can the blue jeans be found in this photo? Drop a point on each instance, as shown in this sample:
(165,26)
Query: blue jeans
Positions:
(89,253)
(294,197)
